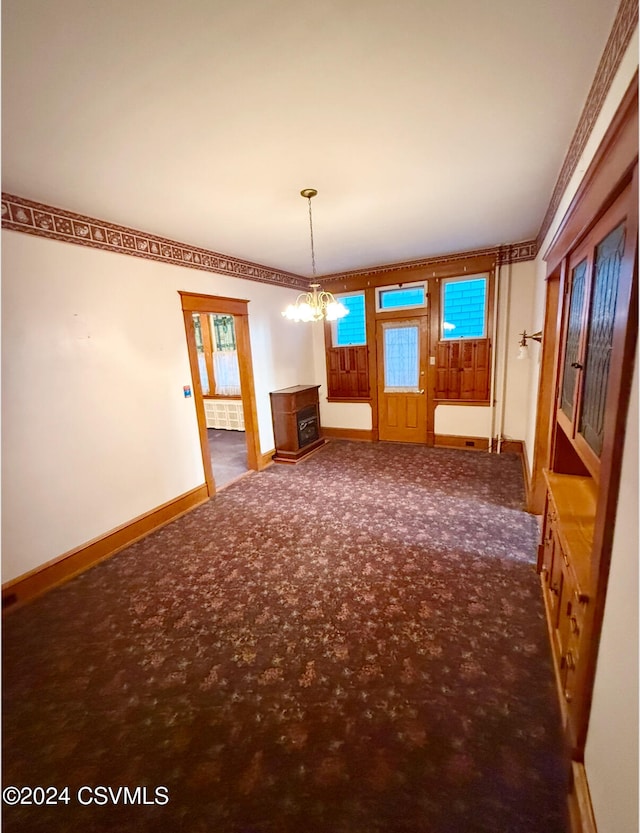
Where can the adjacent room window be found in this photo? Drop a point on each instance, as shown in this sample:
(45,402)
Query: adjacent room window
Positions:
(217,354)
(351,331)
(464,307)
(405,296)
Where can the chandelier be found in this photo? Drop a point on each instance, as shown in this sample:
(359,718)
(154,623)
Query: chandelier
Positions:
(317,304)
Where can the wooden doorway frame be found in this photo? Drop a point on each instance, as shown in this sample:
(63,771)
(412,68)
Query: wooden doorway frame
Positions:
(196,302)
(421,318)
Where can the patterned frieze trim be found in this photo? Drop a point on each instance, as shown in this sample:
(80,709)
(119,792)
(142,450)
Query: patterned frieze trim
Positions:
(619,39)
(20,214)
(518,252)
(512,253)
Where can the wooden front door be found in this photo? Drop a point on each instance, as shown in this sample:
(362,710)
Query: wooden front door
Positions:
(402,345)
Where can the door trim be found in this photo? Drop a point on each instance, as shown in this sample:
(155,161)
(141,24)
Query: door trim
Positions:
(196,302)
(409,317)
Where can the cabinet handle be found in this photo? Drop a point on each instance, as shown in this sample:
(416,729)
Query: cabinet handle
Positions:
(567,695)
(570,661)
(581,597)
(573,623)
(577,365)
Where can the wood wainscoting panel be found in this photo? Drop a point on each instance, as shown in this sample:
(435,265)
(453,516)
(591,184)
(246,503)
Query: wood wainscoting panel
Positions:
(24,588)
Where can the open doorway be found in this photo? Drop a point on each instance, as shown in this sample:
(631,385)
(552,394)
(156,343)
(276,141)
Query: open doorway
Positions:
(219,372)
(217,332)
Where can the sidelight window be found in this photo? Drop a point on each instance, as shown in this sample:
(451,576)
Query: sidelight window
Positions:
(464,307)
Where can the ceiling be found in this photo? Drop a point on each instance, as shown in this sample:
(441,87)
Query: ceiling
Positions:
(427,127)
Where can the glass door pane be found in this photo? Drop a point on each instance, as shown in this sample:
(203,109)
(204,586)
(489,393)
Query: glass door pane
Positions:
(608,260)
(572,348)
(401,358)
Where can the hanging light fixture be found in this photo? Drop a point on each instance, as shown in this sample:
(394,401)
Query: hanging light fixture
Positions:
(316,304)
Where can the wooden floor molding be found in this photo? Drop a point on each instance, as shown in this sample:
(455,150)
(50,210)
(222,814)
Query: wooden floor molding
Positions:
(266,459)
(580,807)
(357,434)
(23,589)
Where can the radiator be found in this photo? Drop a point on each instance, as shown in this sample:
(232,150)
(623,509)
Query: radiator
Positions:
(224,413)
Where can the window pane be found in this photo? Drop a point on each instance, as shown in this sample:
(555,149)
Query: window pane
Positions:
(464,308)
(351,330)
(224,331)
(202,365)
(401,361)
(406,297)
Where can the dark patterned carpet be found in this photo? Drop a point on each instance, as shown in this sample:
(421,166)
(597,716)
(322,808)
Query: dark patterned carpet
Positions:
(355,644)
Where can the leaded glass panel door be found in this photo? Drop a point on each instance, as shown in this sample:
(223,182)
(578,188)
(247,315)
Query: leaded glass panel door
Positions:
(573,340)
(600,331)
(402,373)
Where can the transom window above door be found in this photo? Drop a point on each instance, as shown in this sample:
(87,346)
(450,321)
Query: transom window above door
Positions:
(401,296)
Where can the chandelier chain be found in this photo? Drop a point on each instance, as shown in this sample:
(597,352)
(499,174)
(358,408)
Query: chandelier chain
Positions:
(313,253)
(317,304)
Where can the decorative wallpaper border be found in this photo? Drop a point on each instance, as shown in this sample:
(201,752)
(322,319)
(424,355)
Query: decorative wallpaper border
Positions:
(41,220)
(21,214)
(623,28)
(513,253)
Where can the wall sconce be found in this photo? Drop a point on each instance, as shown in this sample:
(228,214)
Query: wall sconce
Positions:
(523,352)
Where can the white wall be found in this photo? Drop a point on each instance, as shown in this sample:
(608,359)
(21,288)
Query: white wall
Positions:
(611,758)
(95,426)
(611,754)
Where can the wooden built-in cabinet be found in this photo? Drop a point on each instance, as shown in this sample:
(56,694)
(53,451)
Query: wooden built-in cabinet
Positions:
(564,566)
(587,363)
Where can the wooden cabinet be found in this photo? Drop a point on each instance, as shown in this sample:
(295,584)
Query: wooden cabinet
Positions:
(296,422)
(588,353)
(564,566)
(591,303)
(593,350)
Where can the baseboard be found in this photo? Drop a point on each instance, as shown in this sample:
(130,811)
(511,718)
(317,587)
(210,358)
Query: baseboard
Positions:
(24,588)
(580,808)
(266,459)
(453,441)
(357,434)
(526,473)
